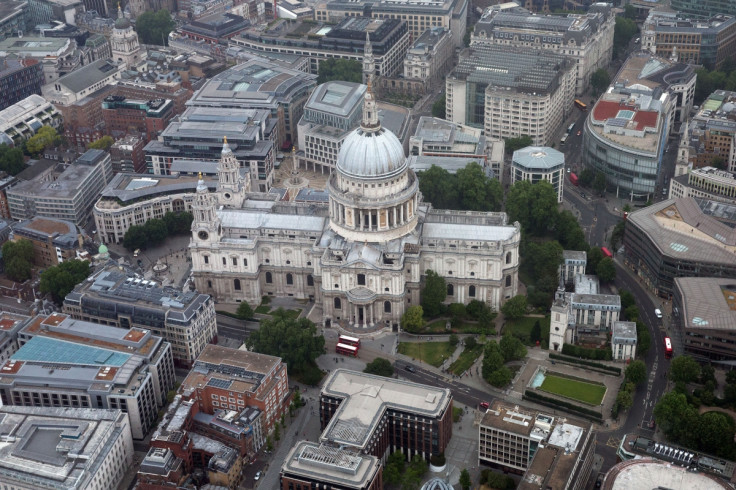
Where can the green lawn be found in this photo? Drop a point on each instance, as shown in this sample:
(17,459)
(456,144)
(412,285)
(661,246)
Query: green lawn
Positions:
(589,393)
(429,352)
(522,327)
(466,359)
(264,309)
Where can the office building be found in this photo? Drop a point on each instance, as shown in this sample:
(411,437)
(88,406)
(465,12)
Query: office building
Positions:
(70,197)
(58,55)
(127,155)
(419,15)
(573,263)
(198,134)
(586,38)
(19,78)
(703,9)
(625,135)
(680,238)
(537,164)
(260,84)
(585,314)
(84,81)
(51,11)
(214,29)
(309,463)
(10,325)
(13,18)
(132,199)
(430,57)
(704,316)
(549,451)
(709,42)
(21,120)
(511,91)
(711,137)
(148,117)
(117,298)
(641,472)
(705,183)
(54,241)
(389,39)
(64,362)
(5,184)
(623,341)
(232,379)
(69,448)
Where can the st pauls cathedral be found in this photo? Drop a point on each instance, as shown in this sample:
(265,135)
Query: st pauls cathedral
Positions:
(363,256)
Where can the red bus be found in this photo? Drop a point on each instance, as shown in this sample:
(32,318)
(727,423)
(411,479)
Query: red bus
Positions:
(573,178)
(606,252)
(344,339)
(667,348)
(579,104)
(346,350)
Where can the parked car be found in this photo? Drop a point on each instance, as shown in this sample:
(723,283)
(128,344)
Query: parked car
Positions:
(258,476)
(658,313)
(484,405)
(410,369)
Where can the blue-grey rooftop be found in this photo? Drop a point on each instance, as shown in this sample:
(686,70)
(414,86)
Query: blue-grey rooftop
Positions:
(55,351)
(539,158)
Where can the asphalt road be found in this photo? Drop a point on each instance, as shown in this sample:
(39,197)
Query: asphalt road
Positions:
(466,395)
(233,328)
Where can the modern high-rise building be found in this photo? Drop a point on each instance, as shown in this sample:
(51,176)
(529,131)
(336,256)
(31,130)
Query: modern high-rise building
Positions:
(703,9)
(21,120)
(120,299)
(710,138)
(19,78)
(537,164)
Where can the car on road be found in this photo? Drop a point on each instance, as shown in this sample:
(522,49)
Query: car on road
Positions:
(579,132)
(137,252)
(484,405)
(410,369)
(258,476)
(658,313)
(582,194)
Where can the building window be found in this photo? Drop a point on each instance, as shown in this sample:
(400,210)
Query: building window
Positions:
(206,259)
(289,278)
(450,290)
(471,291)
(338,304)
(361,279)
(508,257)
(235,261)
(508,281)
(387,307)
(310,280)
(269,278)
(237,284)
(224,261)
(245,262)
(209,284)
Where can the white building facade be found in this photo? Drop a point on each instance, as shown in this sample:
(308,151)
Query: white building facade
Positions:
(536,164)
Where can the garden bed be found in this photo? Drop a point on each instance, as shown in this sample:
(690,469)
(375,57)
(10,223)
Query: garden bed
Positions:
(573,389)
(466,359)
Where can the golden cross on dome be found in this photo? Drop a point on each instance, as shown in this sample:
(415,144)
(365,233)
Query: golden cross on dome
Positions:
(224,139)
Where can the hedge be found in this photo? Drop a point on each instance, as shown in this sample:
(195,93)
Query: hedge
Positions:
(227,313)
(576,351)
(575,360)
(554,403)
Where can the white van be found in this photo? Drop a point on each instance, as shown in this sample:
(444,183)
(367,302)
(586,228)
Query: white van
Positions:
(658,313)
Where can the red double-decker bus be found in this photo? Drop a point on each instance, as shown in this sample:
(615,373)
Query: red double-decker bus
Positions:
(606,252)
(667,348)
(346,350)
(344,339)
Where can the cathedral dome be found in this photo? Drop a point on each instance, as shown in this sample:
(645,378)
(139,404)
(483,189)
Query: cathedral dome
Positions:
(371,153)
(122,23)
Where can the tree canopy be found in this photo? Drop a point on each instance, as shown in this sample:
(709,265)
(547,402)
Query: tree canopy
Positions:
(18,257)
(103,143)
(465,481)
(60,280)
(599,183)
(433,294)
(294,340)
(439,108)
(533,205)
(413,319)
(339,69)
(515,307)
(44,138)
(493,369)
(470,189)
(636,372)
(684,369)
(153,27)
(11,160)
(600,80)
(244,311)
(624,30)
(606,270)
(513,144)
(708,81)
(155,231)
(380,367)
(512,349)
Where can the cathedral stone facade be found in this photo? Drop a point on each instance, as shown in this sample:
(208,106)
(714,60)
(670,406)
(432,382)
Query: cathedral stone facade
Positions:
(363,256)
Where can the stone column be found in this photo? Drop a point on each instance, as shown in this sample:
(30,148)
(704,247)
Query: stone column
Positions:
(394,213)
(401,214)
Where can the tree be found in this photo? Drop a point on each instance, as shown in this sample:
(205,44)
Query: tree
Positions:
(606,270)
(569,233)
(269,444)
(456,311)
(492,358)
(276,432)
(297,399)
(339,69)
(103,143)
(600,80)
(44,138)
(433,294)
(244,311)
(636,372)
(154,27)
(623,31)
(60,280)
(439,187)
(599,183)
(380,366)
(500,377)
(155,231)
(294,340)
(684,369)
(439,107)
(413,319)
(536,334)
(512,349)
(465,481)
(594,257)
(470,343)
(630,12)
(643,339)
(18,256)
(453,340)
(715,431)
(513,144)
(515,307)
(477,191)
(718,162)
(624,399)
(533,205)
(11,160)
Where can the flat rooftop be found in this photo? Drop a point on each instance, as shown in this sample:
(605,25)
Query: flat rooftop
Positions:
(709,303)
(332,465)
(539,158)
(367,397)
(130,187)
(641,474)
(337,97)
(635,123)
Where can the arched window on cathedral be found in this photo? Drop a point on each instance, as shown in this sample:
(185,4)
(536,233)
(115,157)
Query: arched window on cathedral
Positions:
(471,291)
(387,307)
(508,281)
(289,278)
(450,290)
(508,257)
(338,304)
(310,280)
(237,284)
(269,278)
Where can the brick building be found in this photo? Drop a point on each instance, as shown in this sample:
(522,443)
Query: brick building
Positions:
(148,117)
(127,155)
(54,240)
